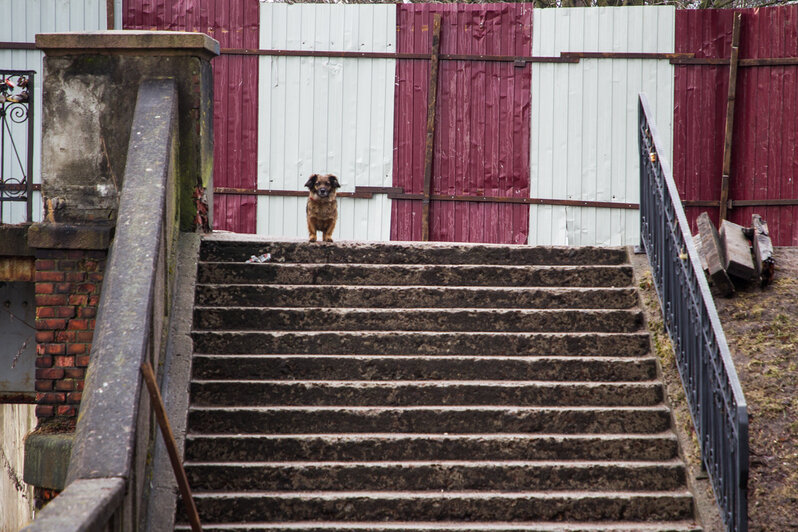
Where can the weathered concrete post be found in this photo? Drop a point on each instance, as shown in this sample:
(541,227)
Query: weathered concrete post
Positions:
(91,81)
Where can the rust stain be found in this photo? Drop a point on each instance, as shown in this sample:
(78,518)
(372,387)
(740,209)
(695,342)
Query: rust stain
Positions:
(17,269)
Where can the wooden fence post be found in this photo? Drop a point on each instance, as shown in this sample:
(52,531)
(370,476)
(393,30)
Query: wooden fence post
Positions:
(727,145)
(432,99)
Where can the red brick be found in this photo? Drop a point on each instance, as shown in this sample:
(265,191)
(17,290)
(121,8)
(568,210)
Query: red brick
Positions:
(94,301)
(75,373)
(82,361)
(78,325)
(75,277)
(44,386)
(84,336)
(95,254)
(64,362)
(65,410)
(74,397)
(55,312)
(50,373)
(87,312)
(86,288)
(63,288)
(79,300)
(90,265)
(53,277)
(76,349)
(67,265)
(40,350)
(45,265)
(95,278)
(44,362)
(51,398)
(44,336)
(51,300)
(45,288)
(64,385)
(79,385)
(44,411)
(92,324)
(65,336)
(51,324)
(55,349)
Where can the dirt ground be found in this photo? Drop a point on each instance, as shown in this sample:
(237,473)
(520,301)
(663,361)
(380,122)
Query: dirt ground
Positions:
(761,327)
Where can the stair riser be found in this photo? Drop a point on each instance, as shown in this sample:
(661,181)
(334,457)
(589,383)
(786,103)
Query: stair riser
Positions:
(430,275)
(308,507)
(386,253)
(311,394)
(442,420)
(413,297)
(430,368)
(618,321)
(438,477)
(685,526)
(390,343)
(371,448)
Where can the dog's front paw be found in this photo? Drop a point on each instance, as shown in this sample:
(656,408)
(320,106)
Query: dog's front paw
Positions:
(312,238)
(328,239)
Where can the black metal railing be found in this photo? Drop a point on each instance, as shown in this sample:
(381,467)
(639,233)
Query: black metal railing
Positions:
(16,145)
(713,391)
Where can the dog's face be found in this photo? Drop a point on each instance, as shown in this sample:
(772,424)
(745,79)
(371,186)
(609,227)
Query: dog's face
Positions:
(323,186)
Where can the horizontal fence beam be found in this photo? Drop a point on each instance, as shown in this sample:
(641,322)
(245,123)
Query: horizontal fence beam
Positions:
(398,193)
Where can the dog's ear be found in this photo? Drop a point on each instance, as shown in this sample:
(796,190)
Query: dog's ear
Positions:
(312,180)
(334,182)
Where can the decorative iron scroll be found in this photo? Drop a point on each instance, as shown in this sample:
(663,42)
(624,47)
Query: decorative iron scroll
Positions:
(716,400)
(16,144)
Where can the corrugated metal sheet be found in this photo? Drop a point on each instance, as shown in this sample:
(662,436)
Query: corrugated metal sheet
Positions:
(235,24)
(584,119)
(482,132)
(20,22)
(326,115)
(764,164)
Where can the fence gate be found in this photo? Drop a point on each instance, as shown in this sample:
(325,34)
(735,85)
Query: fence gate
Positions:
(480,158)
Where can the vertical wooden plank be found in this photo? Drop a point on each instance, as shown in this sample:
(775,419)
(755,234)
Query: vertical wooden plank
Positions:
(156,403)
(432,98)
(727,144)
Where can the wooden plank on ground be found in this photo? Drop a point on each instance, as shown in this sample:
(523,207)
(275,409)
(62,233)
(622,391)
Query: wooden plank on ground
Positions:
(713,253)
(763,250)
(737,251)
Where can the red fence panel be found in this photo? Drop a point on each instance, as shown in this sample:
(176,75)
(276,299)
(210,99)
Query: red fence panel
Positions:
(764,164)
(483,122)
(235,24)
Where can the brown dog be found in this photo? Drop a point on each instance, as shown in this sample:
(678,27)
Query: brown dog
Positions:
(322,209)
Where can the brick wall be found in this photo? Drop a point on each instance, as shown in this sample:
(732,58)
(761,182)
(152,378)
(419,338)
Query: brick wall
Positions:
(68,285)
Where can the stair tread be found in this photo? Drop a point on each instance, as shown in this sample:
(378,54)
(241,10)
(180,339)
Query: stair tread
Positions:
(492,526)
(472,494)
(453,463)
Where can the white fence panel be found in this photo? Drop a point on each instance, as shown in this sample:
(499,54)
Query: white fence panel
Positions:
(326,115)
(20,22)
(584,119)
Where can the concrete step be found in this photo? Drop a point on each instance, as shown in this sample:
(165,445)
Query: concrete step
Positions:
(431,506)
(216,249)
(410,393)
(248,295)
(451,419)
(387,446)
(436,476)
(382,367)
(383,526)
(440,320)
(421,343)
(413,275)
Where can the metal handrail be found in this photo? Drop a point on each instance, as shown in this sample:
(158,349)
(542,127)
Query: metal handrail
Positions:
(712,388)
(16,168)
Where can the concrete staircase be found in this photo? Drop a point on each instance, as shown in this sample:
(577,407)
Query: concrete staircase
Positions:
(380,387)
